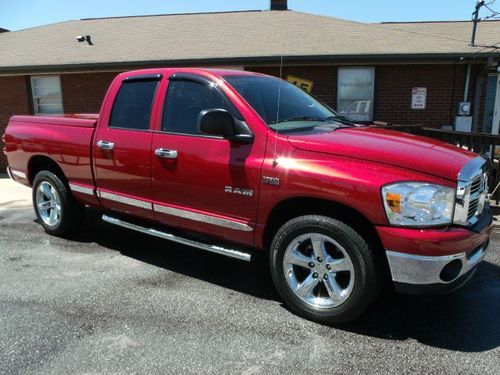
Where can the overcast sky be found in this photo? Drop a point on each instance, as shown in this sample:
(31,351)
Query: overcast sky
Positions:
(20,14)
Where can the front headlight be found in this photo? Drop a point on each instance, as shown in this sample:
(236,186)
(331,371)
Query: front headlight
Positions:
(418,204)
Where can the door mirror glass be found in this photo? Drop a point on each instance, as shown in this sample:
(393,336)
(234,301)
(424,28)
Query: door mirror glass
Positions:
(217,122)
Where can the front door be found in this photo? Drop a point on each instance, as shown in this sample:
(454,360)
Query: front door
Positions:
(491,122)
(122,158)
(203,183)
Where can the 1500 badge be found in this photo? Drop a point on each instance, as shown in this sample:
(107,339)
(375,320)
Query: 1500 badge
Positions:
(232,190)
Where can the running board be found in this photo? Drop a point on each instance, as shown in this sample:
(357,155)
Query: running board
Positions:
(168,236)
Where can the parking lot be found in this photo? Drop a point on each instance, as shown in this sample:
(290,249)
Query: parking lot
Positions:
(116,301)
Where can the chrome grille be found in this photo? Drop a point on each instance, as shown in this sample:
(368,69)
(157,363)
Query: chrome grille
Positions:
(476,188)
(472,191)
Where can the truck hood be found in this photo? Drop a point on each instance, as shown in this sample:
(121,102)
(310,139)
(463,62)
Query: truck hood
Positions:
(389,147)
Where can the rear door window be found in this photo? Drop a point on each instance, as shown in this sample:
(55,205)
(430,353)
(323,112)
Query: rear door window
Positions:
(133,104)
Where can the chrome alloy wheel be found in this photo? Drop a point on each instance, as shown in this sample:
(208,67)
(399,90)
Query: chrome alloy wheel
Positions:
(48,203)
(318,270)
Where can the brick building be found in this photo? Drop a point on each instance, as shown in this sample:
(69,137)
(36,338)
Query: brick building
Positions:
(405,73)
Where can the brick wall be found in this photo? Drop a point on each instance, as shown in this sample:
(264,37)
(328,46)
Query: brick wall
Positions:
(14,99)
(393,86)
(83,93)
(394,83)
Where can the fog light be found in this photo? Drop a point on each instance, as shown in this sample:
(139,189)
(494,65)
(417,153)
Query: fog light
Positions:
(451,271)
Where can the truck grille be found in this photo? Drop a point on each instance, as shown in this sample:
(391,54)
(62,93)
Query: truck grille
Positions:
(475,191)
(472,192)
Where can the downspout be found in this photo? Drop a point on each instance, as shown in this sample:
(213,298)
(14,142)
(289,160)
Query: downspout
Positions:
(467,82)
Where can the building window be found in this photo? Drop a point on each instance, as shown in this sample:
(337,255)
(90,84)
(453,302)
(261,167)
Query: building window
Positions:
(46,92)
(355,92)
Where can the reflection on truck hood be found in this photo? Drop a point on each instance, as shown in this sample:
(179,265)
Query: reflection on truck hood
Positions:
(389,147)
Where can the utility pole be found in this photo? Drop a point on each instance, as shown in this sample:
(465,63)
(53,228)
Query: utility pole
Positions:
(475,20)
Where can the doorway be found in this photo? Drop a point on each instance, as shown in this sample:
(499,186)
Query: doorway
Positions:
(491,121)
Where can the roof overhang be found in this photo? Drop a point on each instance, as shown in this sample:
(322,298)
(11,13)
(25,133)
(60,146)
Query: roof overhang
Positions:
(376,59)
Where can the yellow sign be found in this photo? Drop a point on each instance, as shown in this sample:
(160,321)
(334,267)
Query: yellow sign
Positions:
(302,83)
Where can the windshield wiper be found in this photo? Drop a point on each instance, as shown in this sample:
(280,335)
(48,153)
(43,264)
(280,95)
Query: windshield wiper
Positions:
(341,119)
(302,118)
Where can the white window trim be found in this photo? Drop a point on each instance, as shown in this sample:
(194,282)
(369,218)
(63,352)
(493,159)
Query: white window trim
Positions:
(34,97)
(372,68)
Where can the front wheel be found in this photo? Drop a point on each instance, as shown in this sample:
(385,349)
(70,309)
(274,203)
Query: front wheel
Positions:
(323,269)
(55,207)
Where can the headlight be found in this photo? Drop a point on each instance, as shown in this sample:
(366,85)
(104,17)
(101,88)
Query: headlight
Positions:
(418,204)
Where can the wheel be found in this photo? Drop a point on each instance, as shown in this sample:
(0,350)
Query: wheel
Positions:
(323,269)
(55,207)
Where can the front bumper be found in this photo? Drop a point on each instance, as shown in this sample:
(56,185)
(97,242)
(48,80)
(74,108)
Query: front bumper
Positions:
(435,260)
(417,274)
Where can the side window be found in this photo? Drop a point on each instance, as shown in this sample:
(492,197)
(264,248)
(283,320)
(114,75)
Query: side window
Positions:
(184,102)
(132,107)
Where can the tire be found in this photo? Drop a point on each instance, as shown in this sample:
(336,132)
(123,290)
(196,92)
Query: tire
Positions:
(332,281)
(56,209)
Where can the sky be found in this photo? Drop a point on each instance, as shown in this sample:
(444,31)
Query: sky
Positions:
(21,14)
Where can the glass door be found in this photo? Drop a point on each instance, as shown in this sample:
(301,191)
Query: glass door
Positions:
(491,122)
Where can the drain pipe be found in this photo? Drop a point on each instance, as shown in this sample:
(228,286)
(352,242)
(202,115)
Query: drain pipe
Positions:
(467,82)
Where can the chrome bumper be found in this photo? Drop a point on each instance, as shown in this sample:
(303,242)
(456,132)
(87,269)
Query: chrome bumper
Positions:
(10,173)
(424,270)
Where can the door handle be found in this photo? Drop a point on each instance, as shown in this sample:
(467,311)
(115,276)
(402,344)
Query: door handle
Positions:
(104,145)
(166,154)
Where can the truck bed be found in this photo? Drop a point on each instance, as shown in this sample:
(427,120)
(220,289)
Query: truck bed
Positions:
(66,139)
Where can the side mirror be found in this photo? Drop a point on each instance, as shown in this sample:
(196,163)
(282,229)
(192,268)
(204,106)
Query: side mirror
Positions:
(217,122)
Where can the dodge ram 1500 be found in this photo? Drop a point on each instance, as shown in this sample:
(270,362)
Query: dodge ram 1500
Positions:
(237,162)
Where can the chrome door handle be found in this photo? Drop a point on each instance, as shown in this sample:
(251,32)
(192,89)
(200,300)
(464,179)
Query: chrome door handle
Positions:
(166,154)
(104,145)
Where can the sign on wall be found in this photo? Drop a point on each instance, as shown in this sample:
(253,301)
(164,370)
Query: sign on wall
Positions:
(302,83)
(418,97)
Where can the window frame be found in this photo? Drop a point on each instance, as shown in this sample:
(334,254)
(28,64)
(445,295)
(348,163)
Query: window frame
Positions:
(34,104)
(131,80)
(372,69)
(204,81)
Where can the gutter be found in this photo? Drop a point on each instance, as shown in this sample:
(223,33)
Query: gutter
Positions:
(247,61)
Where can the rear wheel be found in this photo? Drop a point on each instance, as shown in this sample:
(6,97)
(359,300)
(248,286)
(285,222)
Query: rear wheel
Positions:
(323,269)
(57,211)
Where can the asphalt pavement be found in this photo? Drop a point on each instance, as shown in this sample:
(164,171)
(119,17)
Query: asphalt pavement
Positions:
(115,301)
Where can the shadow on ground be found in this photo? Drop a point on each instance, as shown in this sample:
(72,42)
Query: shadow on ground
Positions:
(467,320)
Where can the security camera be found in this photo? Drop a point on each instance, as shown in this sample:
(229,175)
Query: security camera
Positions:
(80,38)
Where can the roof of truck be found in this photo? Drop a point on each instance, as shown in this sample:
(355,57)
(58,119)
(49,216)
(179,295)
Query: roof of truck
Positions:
(233,38)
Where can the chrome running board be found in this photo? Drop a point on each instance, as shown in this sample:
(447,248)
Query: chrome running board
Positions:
(168,236)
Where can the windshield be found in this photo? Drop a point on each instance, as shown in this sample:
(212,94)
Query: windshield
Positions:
(297,109)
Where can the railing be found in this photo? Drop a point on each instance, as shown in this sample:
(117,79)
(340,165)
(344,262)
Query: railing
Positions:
(480,143)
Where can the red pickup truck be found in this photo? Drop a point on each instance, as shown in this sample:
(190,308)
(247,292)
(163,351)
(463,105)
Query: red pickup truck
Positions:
(236,162)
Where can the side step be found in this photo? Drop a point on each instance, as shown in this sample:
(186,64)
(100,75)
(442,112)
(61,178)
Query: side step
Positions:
(168,236)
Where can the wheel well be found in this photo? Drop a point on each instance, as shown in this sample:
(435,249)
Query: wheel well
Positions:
(44,163)
(300,206)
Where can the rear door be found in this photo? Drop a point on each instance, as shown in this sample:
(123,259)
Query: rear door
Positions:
(122,160)
(203,183)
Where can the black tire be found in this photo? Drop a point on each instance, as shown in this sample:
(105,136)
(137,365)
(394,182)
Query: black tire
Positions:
(367,277)
(71,212)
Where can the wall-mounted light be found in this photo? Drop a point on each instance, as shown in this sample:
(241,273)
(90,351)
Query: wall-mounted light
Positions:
(84,38)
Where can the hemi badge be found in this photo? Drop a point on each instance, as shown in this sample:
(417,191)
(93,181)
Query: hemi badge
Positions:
(275,181)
